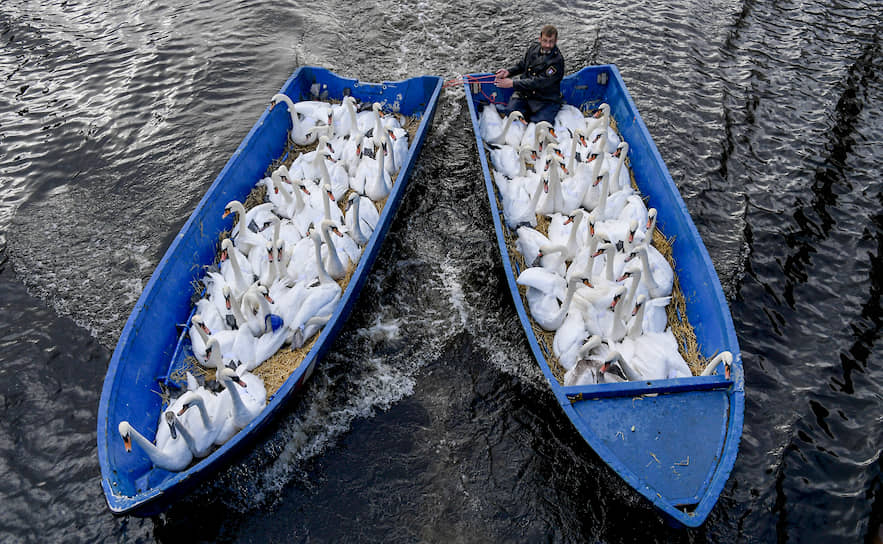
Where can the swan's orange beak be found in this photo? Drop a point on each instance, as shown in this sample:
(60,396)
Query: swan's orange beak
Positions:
(223,255)
(587,283)
(331,196)
(597,181)
(127,442)
(183,409)
(237,380)
(569,220)
(727,370)
(565,170)
(392,135)
(304,189)
(226,213)
(336,231)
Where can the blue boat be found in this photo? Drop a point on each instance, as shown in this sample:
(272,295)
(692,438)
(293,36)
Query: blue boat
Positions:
(152,347)
(675,441)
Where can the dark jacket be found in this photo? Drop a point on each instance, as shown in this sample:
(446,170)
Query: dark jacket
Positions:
(542,74)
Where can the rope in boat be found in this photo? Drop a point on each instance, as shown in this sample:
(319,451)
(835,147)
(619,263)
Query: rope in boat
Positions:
(460,80)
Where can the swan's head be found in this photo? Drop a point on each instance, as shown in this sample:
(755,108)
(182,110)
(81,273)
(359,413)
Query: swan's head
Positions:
(188,399)
(617,296)
(229,375)
(198,321)
(632,271)
(352,200)
(636,252)
(633,228)
(603,109)
(726,357)
(613,365)
(516,115)
(622,150)
(651,217)
(601,176)
(329,192)
(642,298)
(276,98)
(212,347)
(170,418)
(606,246)
(125,431)
(233,206)
(328,224)
(227,249)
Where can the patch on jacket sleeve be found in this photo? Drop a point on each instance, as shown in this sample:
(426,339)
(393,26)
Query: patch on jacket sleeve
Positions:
(550,71)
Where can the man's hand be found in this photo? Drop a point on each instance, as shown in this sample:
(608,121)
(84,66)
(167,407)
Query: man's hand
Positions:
(501,73)
(505,83)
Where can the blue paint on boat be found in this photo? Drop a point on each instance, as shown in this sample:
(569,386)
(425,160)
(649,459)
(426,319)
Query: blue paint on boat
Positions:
(151,346)
(675,441)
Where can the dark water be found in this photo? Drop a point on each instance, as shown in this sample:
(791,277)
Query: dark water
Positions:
(429,420)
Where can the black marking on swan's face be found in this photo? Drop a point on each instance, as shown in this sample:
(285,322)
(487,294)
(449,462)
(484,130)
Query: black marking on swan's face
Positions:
(170,421)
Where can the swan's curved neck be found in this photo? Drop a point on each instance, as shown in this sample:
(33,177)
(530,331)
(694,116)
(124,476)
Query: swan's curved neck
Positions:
(573,142)
(155,454)
(348,104)
(637,327)
(239,409)
(333,260)
(202,334)
(357,226)
(295,120)
(602,200)
(610,253)
(633,288)
(565,306)
(645,267)
(323,274)
(616,170)
(506,126)
(617,326)
(571,240)
(326,203)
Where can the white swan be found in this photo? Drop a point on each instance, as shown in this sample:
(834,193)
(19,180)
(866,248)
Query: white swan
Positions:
(176,456)
(603,113)
(519,206)
(205,427)
(361,218)
(245,230)
(658,275)
(726,357)
(374,177)
(585,370)
(248,397)
(494,130)
(300,128)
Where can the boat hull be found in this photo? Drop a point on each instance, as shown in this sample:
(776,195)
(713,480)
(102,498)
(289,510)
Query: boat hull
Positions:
(675,441)
(150,346)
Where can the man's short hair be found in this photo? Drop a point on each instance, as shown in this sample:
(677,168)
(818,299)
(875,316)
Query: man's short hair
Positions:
(549,31)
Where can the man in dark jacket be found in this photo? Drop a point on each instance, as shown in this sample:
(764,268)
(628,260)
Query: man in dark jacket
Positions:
(538,91)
